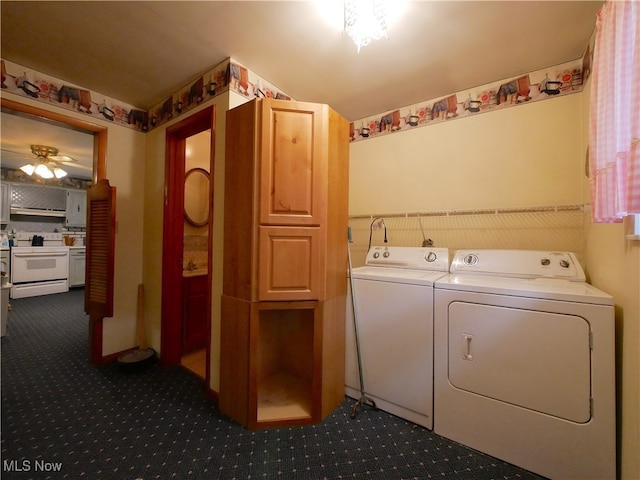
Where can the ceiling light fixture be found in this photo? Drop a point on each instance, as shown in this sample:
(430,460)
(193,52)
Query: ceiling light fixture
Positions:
(365,20)
(42,168)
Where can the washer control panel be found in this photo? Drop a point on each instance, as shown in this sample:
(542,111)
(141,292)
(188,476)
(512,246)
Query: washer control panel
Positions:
(416,258)
(518,263)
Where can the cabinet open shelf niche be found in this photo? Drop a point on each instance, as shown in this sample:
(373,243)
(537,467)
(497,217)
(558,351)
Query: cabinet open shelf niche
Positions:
(285,368)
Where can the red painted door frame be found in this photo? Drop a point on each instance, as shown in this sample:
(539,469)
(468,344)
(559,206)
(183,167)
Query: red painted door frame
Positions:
(173,231)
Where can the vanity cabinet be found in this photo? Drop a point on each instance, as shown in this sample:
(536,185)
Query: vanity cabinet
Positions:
(194,313)
(285,263)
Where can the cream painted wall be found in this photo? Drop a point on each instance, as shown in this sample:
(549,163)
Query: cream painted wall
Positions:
(523,156)
(125,155)
(613,264)
(527,156)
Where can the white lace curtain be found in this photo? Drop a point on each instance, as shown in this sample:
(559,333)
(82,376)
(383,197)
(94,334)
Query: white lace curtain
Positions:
(614,137)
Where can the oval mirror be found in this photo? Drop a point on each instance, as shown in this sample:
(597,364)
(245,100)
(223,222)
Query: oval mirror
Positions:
(196,197)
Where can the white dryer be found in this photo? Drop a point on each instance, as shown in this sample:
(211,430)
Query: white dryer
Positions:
(525,362)
(394,300)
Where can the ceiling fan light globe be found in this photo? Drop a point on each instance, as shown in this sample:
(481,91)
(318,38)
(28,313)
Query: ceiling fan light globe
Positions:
(59,173)
(43,171)
(28,169)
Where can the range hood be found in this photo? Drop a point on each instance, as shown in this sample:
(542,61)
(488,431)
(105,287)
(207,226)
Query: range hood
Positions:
(37,211)
(38,200)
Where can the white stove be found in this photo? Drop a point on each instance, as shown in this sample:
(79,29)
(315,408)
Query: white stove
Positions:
(39,264)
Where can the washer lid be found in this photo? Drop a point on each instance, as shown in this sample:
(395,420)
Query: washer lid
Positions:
(397,275)
(545,288)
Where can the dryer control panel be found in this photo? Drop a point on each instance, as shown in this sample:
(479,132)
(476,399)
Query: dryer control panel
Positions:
(519,263)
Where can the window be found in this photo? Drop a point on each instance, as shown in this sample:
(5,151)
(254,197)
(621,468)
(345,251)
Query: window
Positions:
(614,132)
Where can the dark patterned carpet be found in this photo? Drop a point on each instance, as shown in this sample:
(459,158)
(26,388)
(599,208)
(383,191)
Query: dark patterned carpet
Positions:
(62,418)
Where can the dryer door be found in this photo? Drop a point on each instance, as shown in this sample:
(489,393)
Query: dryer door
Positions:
(533,359)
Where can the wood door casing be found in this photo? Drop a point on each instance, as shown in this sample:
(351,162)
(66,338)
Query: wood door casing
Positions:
(173,231)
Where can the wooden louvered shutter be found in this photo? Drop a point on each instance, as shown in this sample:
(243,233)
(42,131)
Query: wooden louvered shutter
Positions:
(101,219)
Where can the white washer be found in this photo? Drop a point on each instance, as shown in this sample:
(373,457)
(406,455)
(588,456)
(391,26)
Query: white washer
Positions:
(394,300)
(525,362)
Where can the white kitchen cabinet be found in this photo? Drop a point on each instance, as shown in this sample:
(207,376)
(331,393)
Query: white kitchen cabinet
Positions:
(77,264)
(76,208)
(5,202)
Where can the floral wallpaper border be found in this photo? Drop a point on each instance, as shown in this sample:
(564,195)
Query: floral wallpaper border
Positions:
(227,75)
(547,83)
(29,83)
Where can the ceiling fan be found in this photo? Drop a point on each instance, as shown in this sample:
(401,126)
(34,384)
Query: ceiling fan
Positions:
(48,162)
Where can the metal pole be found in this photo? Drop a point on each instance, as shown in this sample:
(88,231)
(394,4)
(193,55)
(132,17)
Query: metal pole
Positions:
(363,400)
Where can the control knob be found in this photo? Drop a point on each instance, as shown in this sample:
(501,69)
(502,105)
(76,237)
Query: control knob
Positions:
(470,260)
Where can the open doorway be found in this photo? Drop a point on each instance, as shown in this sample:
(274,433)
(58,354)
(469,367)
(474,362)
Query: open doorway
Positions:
(44,117)
(187,234)
(195,248)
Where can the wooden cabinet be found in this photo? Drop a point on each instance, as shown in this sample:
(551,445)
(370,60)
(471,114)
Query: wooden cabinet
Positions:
(194,313)
(76,211)
(285,263)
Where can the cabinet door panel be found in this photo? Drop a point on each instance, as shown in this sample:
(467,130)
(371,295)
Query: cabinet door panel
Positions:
(290,264)
(195,313)
(77,266)
(76,213)
(292,163)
